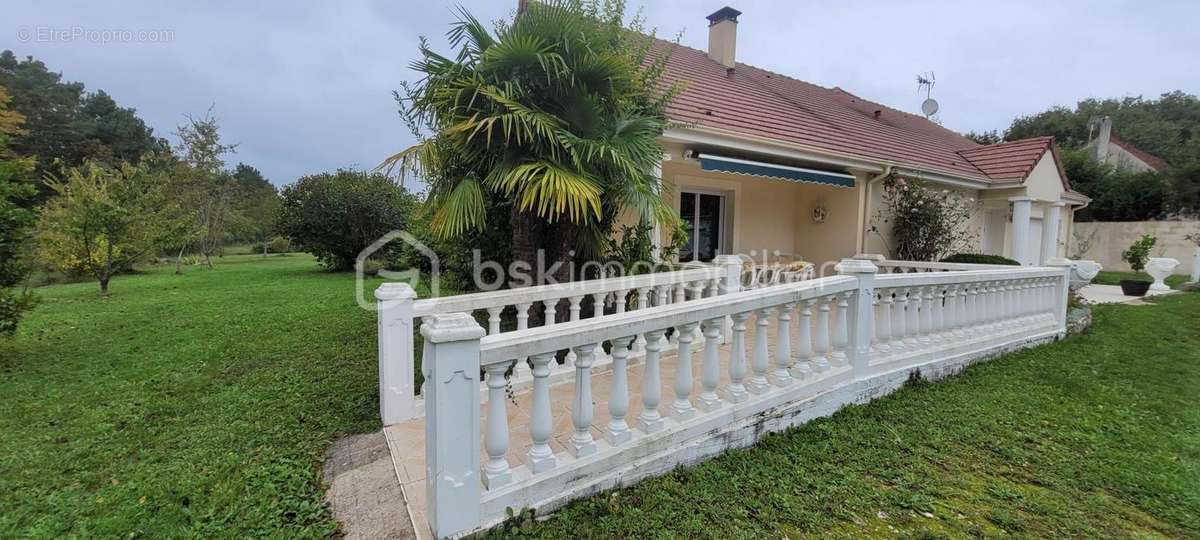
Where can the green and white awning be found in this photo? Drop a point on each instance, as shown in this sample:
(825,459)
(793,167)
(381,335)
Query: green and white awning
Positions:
(710,162)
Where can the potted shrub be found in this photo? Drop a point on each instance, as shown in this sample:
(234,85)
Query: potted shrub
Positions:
(1136,256)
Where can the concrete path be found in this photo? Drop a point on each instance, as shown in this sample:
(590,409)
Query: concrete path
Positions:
(363,491)
(1111,294)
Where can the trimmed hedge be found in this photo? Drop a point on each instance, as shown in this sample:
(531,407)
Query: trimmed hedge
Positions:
(979,258)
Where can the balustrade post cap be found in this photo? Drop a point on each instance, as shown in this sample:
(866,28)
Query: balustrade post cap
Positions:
(1060,261)
(874,257)
(728,259)
(446,327)
(856,266)
(395,291)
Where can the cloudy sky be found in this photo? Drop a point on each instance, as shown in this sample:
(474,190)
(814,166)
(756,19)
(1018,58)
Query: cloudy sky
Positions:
(306,87)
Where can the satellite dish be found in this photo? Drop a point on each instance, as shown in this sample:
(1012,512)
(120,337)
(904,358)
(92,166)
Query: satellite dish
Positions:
(929,107)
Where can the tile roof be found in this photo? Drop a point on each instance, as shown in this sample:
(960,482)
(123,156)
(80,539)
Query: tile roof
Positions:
(1009,161)
(755,101)
(1153,161)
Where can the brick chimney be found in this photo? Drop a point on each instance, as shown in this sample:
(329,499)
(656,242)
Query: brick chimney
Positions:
(722,36)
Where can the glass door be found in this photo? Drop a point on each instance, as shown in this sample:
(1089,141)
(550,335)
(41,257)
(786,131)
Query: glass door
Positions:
(702,220)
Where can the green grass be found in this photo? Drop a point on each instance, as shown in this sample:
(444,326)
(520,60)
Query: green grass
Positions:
(1106,277)
(197,405)
(1096,436)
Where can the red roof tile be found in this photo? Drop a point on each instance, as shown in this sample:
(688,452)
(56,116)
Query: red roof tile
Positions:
(755,101)
(1153,161)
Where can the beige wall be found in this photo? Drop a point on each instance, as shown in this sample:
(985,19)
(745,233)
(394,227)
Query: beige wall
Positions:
(774,215)
(1108,240)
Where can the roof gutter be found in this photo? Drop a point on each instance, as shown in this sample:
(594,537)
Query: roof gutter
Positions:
(865,204)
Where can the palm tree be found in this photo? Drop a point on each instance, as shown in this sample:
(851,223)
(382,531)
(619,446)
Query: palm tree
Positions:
(557,112)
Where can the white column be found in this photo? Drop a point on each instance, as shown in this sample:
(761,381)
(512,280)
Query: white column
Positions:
(710,369)
(780,376)
(496,473)
(858,349)
(397,391)
(682,408)
(1021,208)
(581,442)
(736,392)
(650,420)
(452,423)
(541,457)
(1050,220)
(618,404)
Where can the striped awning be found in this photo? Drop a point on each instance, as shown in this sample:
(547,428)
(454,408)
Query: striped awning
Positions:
(710,162)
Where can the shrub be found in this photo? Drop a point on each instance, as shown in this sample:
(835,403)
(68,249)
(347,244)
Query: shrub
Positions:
(979,258)
(925,224)
(1139,252)
(334,216)
(279,244)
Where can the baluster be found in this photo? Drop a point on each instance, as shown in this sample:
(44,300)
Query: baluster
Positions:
(598,304)
(710,371)
(953,328)
(643,302)
(494,320)
(802,369)
(680,293)
(939,314)
(1020,305)
(682,408)
(581,443)
(697,292)
(821,343)
(997,306)
(783,346)
(541,457)
(575,308)
(759,363)
(619,301)
(969,309)
(736,392)
(496,473)
(618,403)
(550,311)
(884,326)
(650,420)
(660,295)
(899,320)
(963,310)
(521,368)
(913,324)
(925,297)
(841,331)
(1006,307)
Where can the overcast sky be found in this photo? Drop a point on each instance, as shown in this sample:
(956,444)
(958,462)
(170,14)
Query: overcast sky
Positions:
(306,87)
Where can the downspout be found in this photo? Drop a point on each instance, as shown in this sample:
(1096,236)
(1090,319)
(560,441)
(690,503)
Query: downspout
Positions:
(866,206)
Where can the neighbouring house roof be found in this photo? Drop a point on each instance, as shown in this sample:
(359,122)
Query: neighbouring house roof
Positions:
(1153,161)
(754,101)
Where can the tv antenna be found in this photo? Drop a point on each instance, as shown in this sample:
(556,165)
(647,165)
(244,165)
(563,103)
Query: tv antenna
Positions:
(929,107)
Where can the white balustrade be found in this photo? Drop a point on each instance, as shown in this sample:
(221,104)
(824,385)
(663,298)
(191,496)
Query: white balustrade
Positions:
(837,319)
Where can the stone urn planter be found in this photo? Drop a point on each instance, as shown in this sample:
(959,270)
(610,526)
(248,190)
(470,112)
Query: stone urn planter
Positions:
(1083,272)
(1160,268)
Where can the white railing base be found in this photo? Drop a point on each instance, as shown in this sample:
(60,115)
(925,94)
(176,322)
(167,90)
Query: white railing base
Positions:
(734,426)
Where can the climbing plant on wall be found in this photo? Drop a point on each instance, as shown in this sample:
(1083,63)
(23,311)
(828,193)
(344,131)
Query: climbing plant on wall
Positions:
(920,223)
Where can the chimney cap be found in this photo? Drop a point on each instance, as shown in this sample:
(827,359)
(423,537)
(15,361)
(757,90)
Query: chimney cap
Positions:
(723,14)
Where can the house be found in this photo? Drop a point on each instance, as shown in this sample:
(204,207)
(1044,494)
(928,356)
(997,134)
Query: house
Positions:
(1108,148)
(771,164)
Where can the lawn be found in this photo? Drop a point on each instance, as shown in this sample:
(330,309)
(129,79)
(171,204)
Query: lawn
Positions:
(201,406)
(198,405)
(1096,436)
(1106,277)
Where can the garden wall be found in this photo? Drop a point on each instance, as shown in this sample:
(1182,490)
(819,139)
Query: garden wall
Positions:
(1109,239)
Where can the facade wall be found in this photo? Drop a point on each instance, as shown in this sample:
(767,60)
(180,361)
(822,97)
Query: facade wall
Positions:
(1108,239)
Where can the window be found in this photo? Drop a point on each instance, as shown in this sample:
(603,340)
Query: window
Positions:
(703,221)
